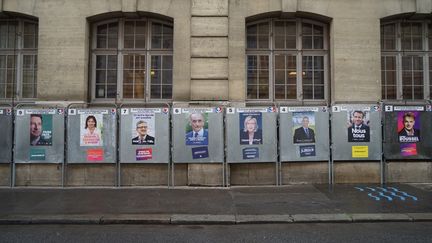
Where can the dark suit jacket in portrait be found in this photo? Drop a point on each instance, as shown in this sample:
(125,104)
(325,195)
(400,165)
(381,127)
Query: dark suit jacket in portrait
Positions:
(361,134)
(405,138)
(148,140)
(257,139)
(200,140)
(300,136)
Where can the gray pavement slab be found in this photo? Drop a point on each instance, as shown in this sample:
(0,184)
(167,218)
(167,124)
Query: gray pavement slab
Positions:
(320,218)
(260,219)
(242,205)
(202,219)
(371,217)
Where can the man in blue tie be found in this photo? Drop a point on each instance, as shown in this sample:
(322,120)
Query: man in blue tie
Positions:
(304,134)
(198,135)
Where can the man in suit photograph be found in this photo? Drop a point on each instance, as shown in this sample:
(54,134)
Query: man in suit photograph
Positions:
(358,131)
(304,134)
(198,135)
(408,134)
(143,137)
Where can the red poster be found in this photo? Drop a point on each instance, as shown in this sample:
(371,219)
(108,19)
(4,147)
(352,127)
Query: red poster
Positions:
(95,154)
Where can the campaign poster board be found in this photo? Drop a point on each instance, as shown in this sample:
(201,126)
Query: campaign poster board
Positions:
(198,135)
(356,132)
(39,135)
(304,134)
(144,135)
(407,132)
(251,134)
(6,140)
(91,135)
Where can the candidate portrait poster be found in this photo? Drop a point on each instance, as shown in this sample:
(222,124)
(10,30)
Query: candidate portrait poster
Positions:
(408,131)
(358,126)
(303,127)
(408,128)
(250,128)
(91,130)
(196,128)
(143,129)
(41,130)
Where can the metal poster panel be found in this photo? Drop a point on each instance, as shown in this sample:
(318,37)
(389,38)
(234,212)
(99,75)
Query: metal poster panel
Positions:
(251,135)
(39,135)
(407,132)
(356,132)
(304,134)
(92,135)
(198,135)
(6,140)
(144,135)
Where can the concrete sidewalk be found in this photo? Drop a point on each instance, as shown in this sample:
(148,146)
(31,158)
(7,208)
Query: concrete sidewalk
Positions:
(235,205)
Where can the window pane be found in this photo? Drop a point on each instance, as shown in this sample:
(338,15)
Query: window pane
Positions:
(252,92)
(307,42)
(166,91)
(111,91)
(252,41)
(129,41)
(157,41)
(263,92)
(100,76)
(100,62)
(156,91)
(319,92)
(280,77)
(279,91)
(100,91)
(127,91)
(291,92)
(418,92)
(319,78)
(307,92)
(28,91)
(129,28)
(306,29)
(318,42)
(263,42)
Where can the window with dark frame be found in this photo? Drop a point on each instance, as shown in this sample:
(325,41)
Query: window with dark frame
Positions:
(18,58)
(286,59)
(406,55)
(132,59)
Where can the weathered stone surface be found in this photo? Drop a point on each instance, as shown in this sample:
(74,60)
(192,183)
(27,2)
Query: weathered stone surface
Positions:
(209,68)
(5,174)
(209,8)
(205,174)
(91,175)
(209,26)
(38,174)
(400,172)
(209,47)
(253,174)
(305,172)
(356,172)
(144,175)
(209,90)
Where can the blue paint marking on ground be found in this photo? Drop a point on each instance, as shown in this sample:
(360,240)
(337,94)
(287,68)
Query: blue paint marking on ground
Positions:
(404,193)
(389,193)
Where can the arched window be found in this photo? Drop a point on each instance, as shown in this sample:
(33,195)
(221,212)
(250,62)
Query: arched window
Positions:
(132,59)
(18,58)
(287,59)
(406,59)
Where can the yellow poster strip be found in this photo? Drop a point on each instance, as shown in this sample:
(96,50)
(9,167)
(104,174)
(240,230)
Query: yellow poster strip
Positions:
(360,151)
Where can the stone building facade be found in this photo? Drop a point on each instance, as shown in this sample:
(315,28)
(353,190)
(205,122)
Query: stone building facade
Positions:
(215,52)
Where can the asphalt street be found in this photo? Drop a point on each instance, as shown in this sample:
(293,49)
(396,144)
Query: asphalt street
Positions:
(311,232)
